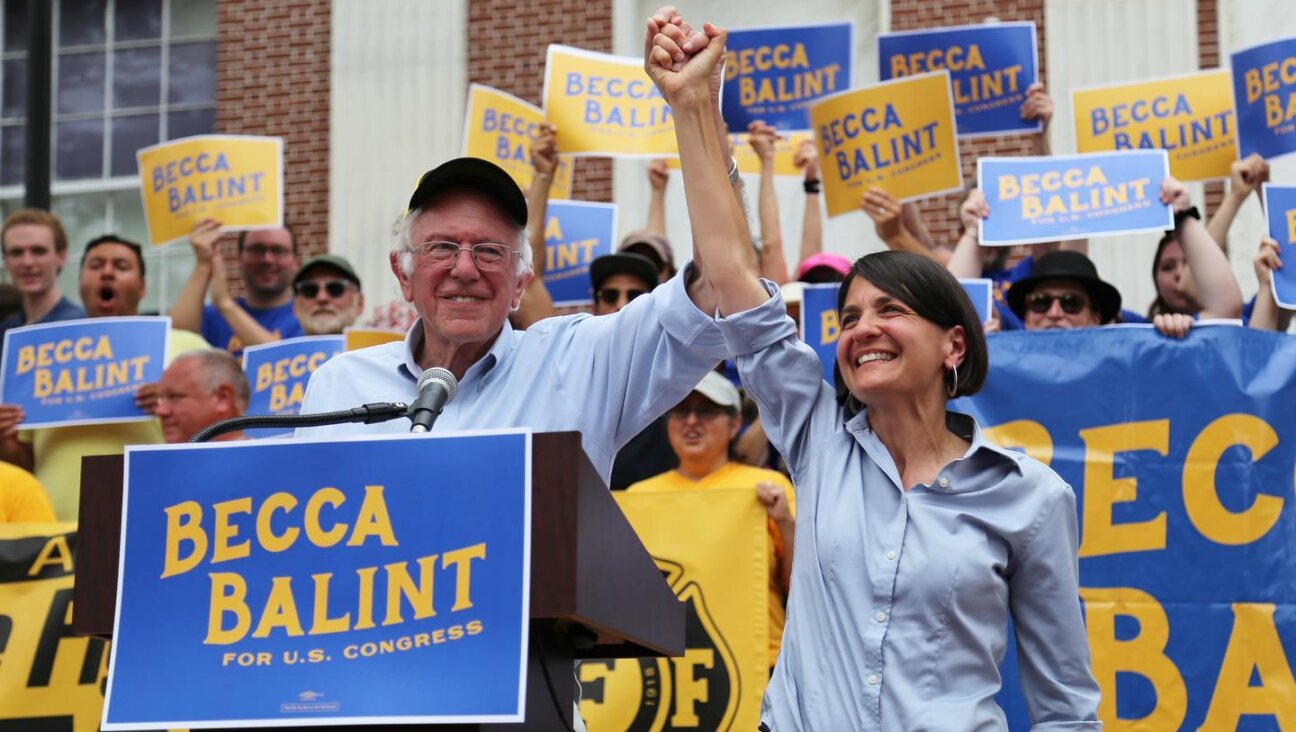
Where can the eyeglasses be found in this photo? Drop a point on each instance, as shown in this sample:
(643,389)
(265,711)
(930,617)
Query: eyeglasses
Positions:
(1041,302)
(488,257)
(261,250)
(612,295)
(704,412)
(310,289)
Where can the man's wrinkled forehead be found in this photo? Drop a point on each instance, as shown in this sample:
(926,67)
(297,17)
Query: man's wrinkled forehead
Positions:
(463,208)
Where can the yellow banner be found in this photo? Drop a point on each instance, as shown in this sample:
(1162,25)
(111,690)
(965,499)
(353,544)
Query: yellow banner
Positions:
(49,677)
(357,338)
(898,135)
(605,105)
(499,128)
(236,179)
(748,162)
(712,548)
(1189,116)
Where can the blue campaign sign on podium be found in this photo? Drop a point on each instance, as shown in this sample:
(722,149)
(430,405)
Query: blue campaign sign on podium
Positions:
(360,581)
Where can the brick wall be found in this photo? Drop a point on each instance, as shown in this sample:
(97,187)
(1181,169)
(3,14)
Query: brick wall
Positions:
(1208,58)
(941,214)
(272,78)
(506,49)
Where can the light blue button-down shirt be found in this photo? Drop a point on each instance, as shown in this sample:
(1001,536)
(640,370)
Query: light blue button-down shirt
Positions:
(899,605)
(607,377)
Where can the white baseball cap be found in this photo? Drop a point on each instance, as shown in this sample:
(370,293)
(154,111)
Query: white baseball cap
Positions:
(720,390)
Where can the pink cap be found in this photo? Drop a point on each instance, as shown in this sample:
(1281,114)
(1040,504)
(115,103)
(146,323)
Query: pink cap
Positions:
(835,262)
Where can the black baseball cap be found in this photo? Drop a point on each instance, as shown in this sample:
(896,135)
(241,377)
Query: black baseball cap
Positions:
(622,262)
(475,173)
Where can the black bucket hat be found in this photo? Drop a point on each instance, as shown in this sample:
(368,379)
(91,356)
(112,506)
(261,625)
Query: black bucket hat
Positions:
(1067,265)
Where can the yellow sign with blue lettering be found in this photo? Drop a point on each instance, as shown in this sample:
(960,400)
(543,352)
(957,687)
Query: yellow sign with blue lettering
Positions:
(605,105)
(499,127)
(713,550)
(1189,116)
(49,677)
(898,135)
(236,179)
(357,338)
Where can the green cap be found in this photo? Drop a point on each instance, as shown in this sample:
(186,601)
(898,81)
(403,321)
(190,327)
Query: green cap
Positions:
(328,260)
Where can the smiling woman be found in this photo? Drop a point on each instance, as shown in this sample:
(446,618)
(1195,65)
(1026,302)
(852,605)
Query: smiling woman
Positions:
(916,538)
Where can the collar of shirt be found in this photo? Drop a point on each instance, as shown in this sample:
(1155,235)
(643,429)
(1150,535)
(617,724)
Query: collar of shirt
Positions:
(476,374)
(961,425)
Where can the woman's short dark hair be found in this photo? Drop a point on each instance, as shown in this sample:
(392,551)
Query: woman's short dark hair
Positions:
(935,296)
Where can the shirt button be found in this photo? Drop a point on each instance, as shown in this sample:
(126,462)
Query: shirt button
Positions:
(880,616)
(873,680)
(891,554)
(944,482)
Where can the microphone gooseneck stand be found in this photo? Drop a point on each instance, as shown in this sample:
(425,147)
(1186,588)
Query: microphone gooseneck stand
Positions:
(368,414)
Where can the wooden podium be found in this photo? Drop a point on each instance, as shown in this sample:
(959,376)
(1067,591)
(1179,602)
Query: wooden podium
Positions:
(595,591)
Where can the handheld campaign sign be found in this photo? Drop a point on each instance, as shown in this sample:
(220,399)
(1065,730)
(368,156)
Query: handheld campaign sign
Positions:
(605,105)
(1280,209)
(991,66)
(1189,116)
(305,582)
(819,325)
(576,232)
(898,135)
(1064,197)
(237,179)
(1264,87)
(980,291)
(357,338)
(499,127)
(82,371)
(774,74)
(278,373)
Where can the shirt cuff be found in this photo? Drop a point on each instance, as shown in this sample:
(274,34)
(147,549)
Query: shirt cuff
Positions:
(682,320)
(759,328)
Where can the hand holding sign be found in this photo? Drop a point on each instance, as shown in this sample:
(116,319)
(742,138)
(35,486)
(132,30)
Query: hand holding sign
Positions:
(1175,194)
(1266,261)
(972,210)
(544,150)
(1038,105)
(203,238)
(762,138)
(885,212)
(1247,175)
(807,159)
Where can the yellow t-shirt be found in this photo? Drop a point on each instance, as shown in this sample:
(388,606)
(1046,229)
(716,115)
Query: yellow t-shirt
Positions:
(22,499)
(737,475)
(58,450)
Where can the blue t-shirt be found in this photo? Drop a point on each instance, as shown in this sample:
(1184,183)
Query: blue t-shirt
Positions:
(278,320)
(63,310)
(1002,280)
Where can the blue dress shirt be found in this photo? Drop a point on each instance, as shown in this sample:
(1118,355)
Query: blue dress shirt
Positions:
(608,377)
(899,604)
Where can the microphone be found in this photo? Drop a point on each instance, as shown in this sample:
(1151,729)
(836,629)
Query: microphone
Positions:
(436,387)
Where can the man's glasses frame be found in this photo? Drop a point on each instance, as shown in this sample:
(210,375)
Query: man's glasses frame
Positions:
(486,256)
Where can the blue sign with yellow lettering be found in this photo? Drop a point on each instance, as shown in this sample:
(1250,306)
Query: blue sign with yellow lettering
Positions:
(1280,208)
(576,232)
(979,291)
(1264,89)
(1036,199)
(991,66)
(774,74)
(82,371)
(1180,456)
(278,373)
(819,325)
(286,583)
